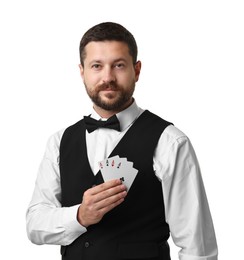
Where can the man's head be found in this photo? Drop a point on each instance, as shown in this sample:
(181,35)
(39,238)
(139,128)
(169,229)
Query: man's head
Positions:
(109,67)
(108,31)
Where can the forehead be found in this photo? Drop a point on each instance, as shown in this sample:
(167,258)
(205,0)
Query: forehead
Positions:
(104,50)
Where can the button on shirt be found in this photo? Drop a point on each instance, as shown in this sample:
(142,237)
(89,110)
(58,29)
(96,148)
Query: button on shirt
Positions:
(176,167)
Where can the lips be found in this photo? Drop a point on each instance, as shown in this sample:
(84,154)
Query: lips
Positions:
(109,89)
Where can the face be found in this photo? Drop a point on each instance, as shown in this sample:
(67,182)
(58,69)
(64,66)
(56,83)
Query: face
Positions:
(109,75)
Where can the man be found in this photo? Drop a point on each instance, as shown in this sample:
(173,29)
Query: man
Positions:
(90,218)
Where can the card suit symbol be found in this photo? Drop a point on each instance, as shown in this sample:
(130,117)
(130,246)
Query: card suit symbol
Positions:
(119,165)
(122,179)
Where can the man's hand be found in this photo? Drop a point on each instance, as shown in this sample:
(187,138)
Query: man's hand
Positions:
(99,200)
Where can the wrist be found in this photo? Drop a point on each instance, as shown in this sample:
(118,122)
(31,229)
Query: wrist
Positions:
(80,219)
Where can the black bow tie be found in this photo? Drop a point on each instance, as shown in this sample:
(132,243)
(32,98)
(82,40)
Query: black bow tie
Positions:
(93,124)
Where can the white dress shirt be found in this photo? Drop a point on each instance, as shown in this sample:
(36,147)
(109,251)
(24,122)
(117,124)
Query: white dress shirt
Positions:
(176,167)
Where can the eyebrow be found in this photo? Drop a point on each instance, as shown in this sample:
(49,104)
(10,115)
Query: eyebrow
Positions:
(116,60)
(120,59)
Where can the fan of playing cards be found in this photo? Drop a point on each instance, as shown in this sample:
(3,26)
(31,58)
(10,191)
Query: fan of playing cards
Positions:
(118,168)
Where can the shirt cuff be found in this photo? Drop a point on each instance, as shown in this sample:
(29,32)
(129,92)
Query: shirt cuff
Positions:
(73,229)
(189,257)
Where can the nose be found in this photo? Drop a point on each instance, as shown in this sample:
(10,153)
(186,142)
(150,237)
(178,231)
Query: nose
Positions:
(108,75)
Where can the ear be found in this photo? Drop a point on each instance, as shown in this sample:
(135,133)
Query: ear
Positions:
(137,70)
(81,71)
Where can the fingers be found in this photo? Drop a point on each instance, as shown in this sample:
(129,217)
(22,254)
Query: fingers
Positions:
(99,200)
(108,199)
(106,192)
(104,186)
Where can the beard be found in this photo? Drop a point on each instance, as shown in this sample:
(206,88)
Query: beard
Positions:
(114,101)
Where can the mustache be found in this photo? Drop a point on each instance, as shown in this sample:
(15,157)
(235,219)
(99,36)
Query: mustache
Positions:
(110,85)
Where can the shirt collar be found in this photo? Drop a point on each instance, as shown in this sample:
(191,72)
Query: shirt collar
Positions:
(125,117)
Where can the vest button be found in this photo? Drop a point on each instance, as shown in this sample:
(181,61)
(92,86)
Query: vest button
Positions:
(87,244)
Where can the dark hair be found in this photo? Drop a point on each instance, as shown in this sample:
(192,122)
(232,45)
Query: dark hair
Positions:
(108,31)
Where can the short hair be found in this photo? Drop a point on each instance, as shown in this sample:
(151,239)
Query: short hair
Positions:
(108,31)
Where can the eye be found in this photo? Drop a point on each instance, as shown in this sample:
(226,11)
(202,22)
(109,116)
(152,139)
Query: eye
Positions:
(119,65)
(96,66)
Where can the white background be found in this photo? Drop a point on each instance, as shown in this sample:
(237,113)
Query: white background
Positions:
(192,54)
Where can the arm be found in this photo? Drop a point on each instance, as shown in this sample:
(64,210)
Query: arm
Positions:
(47,222)
(186,205)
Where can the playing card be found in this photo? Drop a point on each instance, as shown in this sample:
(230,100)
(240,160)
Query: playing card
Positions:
(109,164)
(128,173)
(118,168)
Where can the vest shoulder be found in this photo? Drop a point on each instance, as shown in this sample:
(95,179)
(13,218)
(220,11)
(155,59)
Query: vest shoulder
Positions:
(75,127)
(155,118)
(72,132)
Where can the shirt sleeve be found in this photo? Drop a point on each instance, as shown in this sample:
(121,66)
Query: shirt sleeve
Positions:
(186,206)
(47,222)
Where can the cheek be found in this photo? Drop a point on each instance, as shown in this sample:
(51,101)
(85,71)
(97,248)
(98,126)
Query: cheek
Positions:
(129,79)
(131,76)
(123,78)
(90,80)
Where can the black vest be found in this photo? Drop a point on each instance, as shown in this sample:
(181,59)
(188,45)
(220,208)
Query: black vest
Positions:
(136,229)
